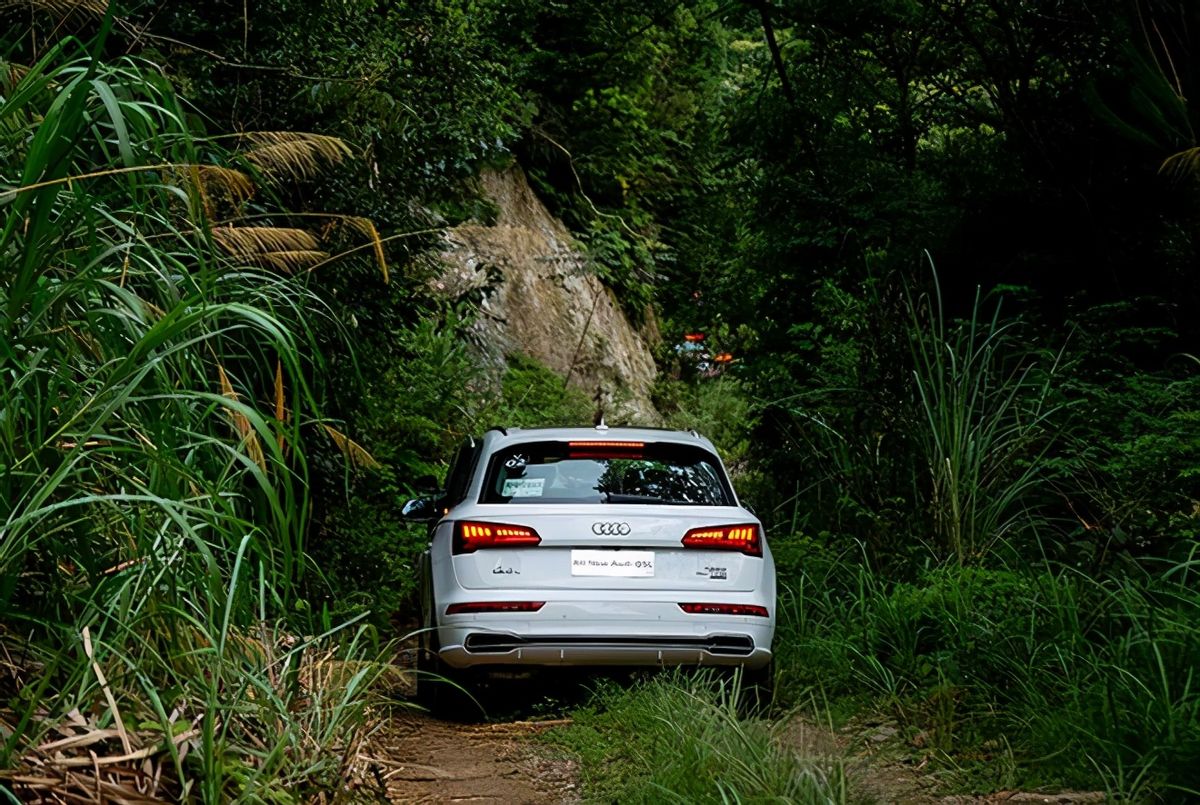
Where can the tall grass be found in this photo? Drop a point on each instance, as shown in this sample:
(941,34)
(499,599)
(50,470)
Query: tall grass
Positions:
(679,738)
(1033,675)
(154,403)
(986,404)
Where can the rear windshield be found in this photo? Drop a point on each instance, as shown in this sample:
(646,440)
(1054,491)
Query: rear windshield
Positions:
(606,472)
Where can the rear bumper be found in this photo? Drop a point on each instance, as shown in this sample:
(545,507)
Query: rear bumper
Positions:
(606,632)
(606,654)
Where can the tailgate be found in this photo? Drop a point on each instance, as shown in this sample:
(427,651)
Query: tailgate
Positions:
(616,548)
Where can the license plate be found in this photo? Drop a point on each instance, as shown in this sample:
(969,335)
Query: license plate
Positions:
(629,564)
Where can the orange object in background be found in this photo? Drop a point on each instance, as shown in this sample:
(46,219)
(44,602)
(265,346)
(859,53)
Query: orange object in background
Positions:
(723,357)
(693,338)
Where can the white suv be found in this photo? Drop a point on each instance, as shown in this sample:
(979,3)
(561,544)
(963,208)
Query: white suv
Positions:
(584,547)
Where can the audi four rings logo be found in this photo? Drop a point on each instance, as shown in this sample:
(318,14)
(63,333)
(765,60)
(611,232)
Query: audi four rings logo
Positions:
(610,529)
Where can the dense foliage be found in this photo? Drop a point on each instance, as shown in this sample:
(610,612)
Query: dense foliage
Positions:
(951,247)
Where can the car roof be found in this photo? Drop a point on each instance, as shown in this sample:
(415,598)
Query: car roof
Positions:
(500,437)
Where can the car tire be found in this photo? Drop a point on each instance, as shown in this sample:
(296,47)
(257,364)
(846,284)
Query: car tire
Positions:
(444,691)
(757,691)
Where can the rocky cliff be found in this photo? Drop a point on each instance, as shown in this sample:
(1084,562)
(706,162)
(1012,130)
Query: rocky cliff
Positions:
(542,300)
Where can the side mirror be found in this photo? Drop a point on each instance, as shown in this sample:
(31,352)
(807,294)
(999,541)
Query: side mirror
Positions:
(421,510)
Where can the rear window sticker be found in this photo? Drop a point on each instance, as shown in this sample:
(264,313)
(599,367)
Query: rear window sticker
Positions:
(523,487)
(517,460)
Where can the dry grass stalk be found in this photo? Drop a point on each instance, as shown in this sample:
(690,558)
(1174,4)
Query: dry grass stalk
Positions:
(233,186)
(241,423)
(366,227)
(277,247)
(251,241)
(11,74)
(1182,163)
(292,261)
(58,8)
(281,412)
(293,154)
(108,695)
(355,453)
(93,764)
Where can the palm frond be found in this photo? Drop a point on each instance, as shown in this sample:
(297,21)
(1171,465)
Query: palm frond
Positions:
(293,154)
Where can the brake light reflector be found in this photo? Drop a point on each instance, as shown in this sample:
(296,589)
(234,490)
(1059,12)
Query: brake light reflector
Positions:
(472,607)
(470,536)
(744,538)
(725,609)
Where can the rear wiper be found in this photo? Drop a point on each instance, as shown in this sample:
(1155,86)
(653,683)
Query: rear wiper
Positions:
(609,497)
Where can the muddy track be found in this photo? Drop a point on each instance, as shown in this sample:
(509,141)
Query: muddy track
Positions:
(418,758)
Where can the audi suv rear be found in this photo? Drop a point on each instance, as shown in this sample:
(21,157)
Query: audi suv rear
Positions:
(584,547)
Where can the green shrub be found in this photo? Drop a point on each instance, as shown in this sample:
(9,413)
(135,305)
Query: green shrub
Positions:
(533,396)
(415,411)
(1132,467)
(720,408)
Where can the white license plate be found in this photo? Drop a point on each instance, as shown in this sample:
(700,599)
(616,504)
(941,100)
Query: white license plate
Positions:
(630,564)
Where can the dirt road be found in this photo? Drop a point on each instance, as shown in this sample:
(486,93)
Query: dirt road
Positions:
(417,758)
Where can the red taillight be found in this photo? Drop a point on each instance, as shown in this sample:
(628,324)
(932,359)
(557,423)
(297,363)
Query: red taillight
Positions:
(470,536)
(744,538)
(725,609)
(494,606)
(605,449)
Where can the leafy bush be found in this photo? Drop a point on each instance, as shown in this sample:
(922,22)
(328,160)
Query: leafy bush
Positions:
(532,396)
(416,410)
(721,409)
(1131,470)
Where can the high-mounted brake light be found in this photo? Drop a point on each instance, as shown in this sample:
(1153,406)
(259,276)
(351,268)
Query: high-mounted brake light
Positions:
(472,607)
(725,609)
(470,536)
(744,538)
(605,449)
(607,445)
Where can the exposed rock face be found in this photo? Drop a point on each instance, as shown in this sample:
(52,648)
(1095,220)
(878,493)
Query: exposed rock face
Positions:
(545,303)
